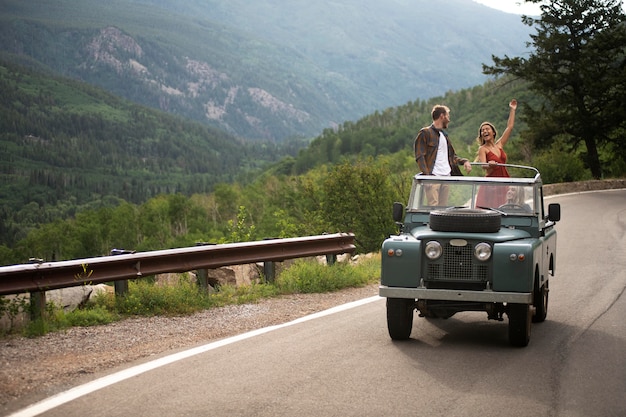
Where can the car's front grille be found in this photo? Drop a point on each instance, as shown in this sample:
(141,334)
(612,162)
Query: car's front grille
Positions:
(457,263)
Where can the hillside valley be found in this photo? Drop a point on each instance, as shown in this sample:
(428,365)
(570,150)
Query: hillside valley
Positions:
(268,70)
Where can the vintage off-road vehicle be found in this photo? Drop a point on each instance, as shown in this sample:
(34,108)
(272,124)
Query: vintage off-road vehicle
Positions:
(471,244)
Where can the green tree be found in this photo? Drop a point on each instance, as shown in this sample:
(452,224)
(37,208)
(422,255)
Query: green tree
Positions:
(155,223)
(124,227)
(51,242)
(227,199)
(91,229)
(241,230)
(358,198)
(579,69)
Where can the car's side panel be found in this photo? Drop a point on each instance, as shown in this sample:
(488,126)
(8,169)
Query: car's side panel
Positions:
(401,261)
(513,265)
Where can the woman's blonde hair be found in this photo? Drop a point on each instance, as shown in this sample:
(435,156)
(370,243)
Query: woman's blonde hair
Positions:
(479,138)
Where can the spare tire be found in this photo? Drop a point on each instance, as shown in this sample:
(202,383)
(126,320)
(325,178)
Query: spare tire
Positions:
(465,220)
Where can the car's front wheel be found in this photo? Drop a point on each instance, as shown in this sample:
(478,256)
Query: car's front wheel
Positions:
(519,324)
(400,317)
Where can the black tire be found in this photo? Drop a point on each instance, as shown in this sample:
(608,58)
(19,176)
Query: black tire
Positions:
(400,317)
(465,220)
(540,301)
(519,324)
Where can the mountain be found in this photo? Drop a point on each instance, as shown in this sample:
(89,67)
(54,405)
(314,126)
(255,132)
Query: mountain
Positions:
(268,69)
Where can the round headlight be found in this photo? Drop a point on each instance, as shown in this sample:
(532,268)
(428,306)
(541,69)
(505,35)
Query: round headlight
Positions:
(433,250)
(482,251)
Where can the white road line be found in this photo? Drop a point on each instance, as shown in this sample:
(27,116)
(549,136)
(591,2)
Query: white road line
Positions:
(79,391)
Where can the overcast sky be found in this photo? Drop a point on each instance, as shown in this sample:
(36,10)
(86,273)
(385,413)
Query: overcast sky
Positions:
(512,6)
(518,6)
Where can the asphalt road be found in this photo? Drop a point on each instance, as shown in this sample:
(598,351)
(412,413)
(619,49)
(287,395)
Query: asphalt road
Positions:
(344,364)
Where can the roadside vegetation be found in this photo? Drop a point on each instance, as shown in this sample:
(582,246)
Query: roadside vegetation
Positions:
(145,299)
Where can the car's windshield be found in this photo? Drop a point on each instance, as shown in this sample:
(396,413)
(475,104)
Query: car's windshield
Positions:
(513,198)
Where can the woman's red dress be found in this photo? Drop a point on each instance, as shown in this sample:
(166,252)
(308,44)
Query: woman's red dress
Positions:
(491,195)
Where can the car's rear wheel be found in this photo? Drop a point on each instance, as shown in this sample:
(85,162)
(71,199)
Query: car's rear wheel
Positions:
(400,317)
(519,324)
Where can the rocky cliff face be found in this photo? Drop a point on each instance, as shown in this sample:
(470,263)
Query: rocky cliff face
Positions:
(191,83)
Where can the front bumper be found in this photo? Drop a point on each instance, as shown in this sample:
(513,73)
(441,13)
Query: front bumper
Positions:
(485,296)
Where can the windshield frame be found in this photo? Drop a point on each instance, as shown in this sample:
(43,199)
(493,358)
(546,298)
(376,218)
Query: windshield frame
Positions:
(462,192)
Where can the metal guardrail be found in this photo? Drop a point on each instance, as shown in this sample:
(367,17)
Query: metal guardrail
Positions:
(44,276)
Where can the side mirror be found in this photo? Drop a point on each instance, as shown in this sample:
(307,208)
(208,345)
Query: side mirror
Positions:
(398,212)
(554,212)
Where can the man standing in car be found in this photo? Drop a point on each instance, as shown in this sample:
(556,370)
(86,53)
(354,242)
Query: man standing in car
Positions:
(435,154)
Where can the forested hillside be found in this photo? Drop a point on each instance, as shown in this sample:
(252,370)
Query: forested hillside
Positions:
(65,145)
(264,69)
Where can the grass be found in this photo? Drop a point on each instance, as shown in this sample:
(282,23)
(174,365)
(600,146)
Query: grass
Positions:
(310,277)
(144,298)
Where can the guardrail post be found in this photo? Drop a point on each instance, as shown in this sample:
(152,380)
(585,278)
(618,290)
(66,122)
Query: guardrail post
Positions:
(330,258)
(202,275)
(121,287)
(269,271)
(37,305)
(202,279)
(269,267)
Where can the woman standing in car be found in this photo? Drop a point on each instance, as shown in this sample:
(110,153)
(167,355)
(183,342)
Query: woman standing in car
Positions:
(491,152)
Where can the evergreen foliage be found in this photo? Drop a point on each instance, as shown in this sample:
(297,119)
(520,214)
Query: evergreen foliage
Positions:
(578,68)
(356,198)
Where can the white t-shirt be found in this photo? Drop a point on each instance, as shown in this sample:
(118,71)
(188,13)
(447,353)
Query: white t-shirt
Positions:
(442,165)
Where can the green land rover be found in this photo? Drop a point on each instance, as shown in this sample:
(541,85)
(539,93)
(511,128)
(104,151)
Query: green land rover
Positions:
(471,244)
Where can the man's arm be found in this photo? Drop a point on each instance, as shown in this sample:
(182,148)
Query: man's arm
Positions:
(420,147)
(463,161)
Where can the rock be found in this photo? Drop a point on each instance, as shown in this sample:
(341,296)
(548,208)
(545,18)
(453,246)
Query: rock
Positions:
(173,278)
(235,275)
(101,288)
(69,298)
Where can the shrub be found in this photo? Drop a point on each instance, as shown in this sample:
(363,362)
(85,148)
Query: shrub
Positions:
(306,276)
